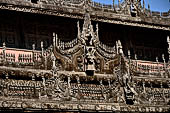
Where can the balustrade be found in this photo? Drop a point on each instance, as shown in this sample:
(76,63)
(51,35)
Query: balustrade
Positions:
(19,56)
(147,67)
(107,48)
(100,5)
(66,45)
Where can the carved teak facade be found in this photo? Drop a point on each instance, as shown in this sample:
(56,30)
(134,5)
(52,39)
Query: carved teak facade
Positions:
(79,55)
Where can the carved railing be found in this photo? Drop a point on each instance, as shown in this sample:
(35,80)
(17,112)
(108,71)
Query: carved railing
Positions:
(160,14)
(13,55)
(101,5)
(148,67)
(66,45)
(107,48)
(106,51)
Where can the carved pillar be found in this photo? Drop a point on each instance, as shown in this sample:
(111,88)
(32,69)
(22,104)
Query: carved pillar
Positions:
(79,32)
(42,48)
(159,72)
(114,5)
(129,58)
(168,40)
(45,62)
(44,85)
(144,90)
(129,64)
(144,5)
(7,84)
(55,40)
(149,7)
(54,68)
(119,47)
(69,85)
(128,7)
(136,63)
(78,79)
(33,54)
(109,82)
(119,3)
(163,58)
(4,53)
(43,79)
(97,32)
(161,84)
(33,77)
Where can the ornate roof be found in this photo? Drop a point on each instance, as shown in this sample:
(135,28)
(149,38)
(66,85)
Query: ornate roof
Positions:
(129,12)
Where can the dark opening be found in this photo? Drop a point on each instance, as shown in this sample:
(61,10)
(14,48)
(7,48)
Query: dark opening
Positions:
(90,72)
(133,14)
(34,1)
(88,41)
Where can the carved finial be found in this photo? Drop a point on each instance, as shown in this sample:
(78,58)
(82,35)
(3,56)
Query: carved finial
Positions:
(56,40)
(163,57)
(161,84)
(97,31)
(168,41)
(101,82)
(6,75)
(129,54)
(158,65)
(33,77)
(78,79)
(69,80)
(87,26)
(54,37)
(109,82)
(135,56)
(4,53)
(42,48)
(78,27)
(42,45)
(144,90)
(43,79)
(33,55)
(148,7)
(143,4)
(119,3)
(4,45)
(119,46)
(33,46)
(157,59)
(53,60)
(97,28)
(53,34)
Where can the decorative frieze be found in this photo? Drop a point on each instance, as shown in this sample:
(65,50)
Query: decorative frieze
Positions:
(109,17)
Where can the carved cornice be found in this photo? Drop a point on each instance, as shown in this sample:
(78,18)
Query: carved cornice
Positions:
(31,105)
(78,13)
